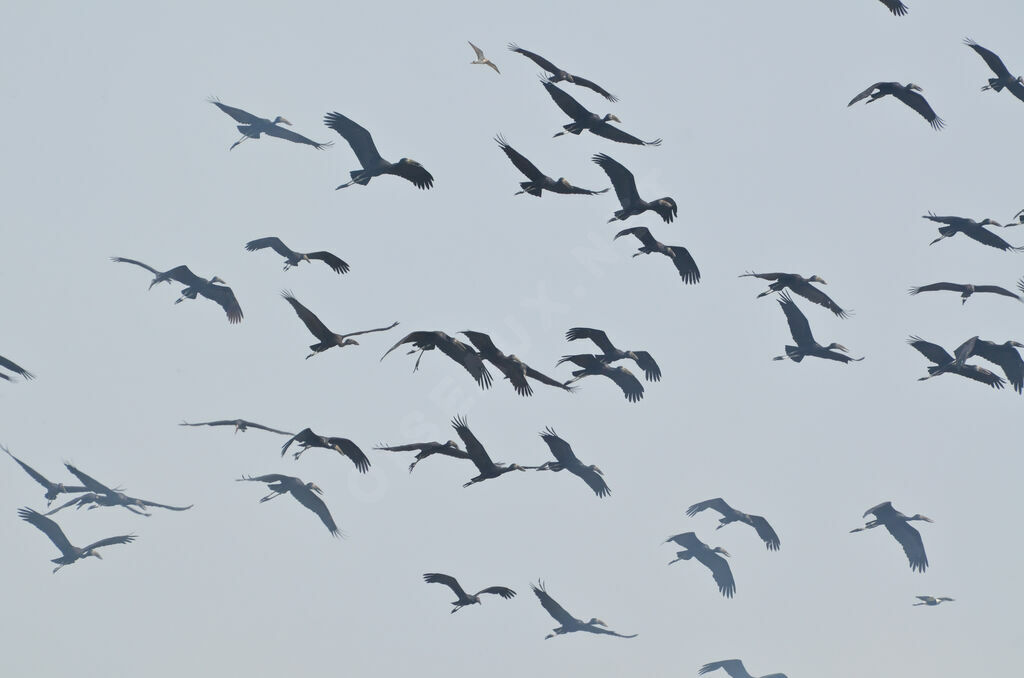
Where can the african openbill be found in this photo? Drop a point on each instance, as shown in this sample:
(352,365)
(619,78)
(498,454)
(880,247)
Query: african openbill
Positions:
(908,94)
(806,345)
(514,369)
(194,286)
(731,515)
(52,489)
(709,558)
(538,181)
(466,598)
(679,255)
(1003,78)
(481,59)
(69,553)
(583,119)
(944,363)
(293,258)
(801,285)
(895,6)
(1005,355)
(899,527)
(102,495)
(304,493)
(424,450)
(478,455)
(625,189)
(13,367)
(592,365)
(373,164)
(252,126)
(328,339)
(566,459)
(932,601)
(569,623)
(239,424)
(735,668)
(453,348)
(975,230)
(343,446)
(610,354)
(558,75)
(966,290)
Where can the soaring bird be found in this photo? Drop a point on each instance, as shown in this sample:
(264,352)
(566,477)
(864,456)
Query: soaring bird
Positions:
(801,285)
(252,126)
(343,446)
(899,527)
(466,598)
(800,329)
(1003,78)
(944,363)
(566,459)
(453,348)
(512,367)
(895,6)
(567,622)
(975,230)
(583,119)
(932,601)
(293,258)
(908,94)
(69,553)
(424,450)
(102,495)
(52,489)
(965,290)
(373,164)
(538,181)
(735,668)
(625,189)
(194,286)
(304,493)
(13,367)
(328,339)
(239,424)
(481,59)
(478,455)
(610,354)
(709,558)
(1005,355)
(679,255)
(731,515)
(558,75)
(593,365)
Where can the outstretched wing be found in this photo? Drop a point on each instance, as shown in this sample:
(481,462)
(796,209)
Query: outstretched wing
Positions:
(335,262)
(447,580)
(13,367)
(685,264)
(630,385)
(225,298)
(815,295)
(307,498)
(933,352)
(376,329)
(569,106)
(357,137)
(560,614)
(865,94)
(477,454)
(468,358)
(993,61)
(352,451)
(642,233)
(164,506)
(412,171)
(597,336)
(312,323)
(987,237)
(49,528)
(90,482)
(896,7)
(940,287)
(288,135)
(646,362)
(304,437)
(544,379)
(479,52)
(237,113)
(612,132)
(996,289)
(561,449)
(622,179)
(502,591)
(917,102)
(109,541)
(734,667)
(269,478)
(798,325)
(122,260)
(583,82)
(722,574)
(184,275)
(716,504)
(520,161)
(36,475)
(766,533)
(910,539)
(273,243)
(535,58)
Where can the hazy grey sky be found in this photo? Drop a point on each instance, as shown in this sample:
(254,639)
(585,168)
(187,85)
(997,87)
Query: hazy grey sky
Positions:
(110,149)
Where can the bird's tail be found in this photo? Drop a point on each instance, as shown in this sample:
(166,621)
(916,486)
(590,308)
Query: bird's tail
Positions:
(794,354)
(995,85)
(531,188)
(358,177)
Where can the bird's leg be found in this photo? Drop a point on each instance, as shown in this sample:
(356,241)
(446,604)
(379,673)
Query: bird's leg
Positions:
(764,294)
(137,512)
(270,496)
(58,567)
(244,137)
(298,452)
(937,239)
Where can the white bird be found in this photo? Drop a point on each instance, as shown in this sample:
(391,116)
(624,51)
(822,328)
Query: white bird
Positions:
(481,59)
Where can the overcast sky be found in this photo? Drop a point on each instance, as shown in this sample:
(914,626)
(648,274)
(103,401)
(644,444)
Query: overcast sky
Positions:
(110,149)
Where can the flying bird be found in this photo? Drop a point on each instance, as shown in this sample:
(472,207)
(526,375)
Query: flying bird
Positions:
(625,189)
(679,255)
(899,527)
(558,75)
(735,668)
(966,290)
(69,553)
(975,230)
(252,126)
(1003,78)
(481,59)
(1005,355)
(293,258)
(538,181)
(709,558)
(593,365)
(514,369)
(567,622)
(304,493)
(194,286)
(610,354)
(102,495)
(731,515)
(583,119)
(239,424)
(465,598)
(343,446)
(328,339)
(908,94)
(424,450)
(373,164)
(451,347)
(943,363)
(931,601)
(13,367)
(566,459)
(801,285)
(52,489)
(478,455)
(806,346)
(895,6)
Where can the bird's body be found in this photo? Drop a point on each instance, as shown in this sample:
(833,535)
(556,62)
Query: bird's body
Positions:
(944,363)
(481,59)
(14,367)
(800,285)
(52,489)
(538,181)
(593,365)
(328,339)
(478,455)
(373,165)
(611,354)
(680,256)
(514,369)
(1003,79)
(932,601)
(567,622)
(583,119)
(731,515)
(625,189)
(735,668)
(343,446)
(975,230)
(194,286)
(709,558)
(253,126)
(453,348)
(908,94)
(69,552)
(965,290)
(806,345)
(466,598)
(103,495)
(304,493)
(239,424)
(899,527)
(1005,355)
(293,258)
(424,450)
(565,459)
(559,75)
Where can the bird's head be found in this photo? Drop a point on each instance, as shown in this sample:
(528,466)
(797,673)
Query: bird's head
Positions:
(719,549)
(452,444)
(991,222)
(1020,79)
(217,279)
(837,347)
(595,469)
(914,87)
(516,467)
(280,120)
(667,202)
(611,118)
(1015,343)
(409,161)
(594,621)
(314,487)
(918,516)
(564,182)
(817,279)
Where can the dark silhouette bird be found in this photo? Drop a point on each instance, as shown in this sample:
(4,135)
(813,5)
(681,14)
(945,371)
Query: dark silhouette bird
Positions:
(465,598)
(451,347)
(478,455)
(895,6)
(239,424)
(1005,355)
(567,622)
(566,459)
(625,189)
(735,668)
(52,489)
(304,493)
(731,515)
(931,601)
(709,558)
(252,126)
(583,119)
(538,181)
(610,354)
(514,369)
(679,255)
(194,286)
(1003,78)
(965,290)
(806,346)
(102,495)
(593,365)
(899,527)
(801,285)
(293,258)
(975,230)
(69,553)
(558,75)
(328,339)
(373,164)
(424,450)
(343,446)
(943,363)
(481,59)
(908,94)
(13,367)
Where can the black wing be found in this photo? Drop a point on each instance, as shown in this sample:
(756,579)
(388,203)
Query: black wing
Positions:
(622,179)
(288,135)
(940,287)
(122,539)
(410,170)
(684,263)
(270,478)
(995,289)
(164,506)
(933,352)
(643,234)
(336,264)
(447,580)
(919,104)
(612,132)
(225,298)
(376,329)
(468,358)
(237,113)
(593,479)
(910,539)
(1006,357)
(993,61)
(477,453)
(646,362)
(313,324)
(798,325)
(358,138)
(502,591)
(535,58)
(599,337)
(305,437)
(734,667)
(554,609)
(49,528)
(352,451)
(90,482)
(895,6)
(544,379)
(722,574)
(583,82)
(630,385)
(240,423)
(4,362)
(987,237)
(866,93)
(520,161)
(307,498)
(184,275)
(122,260)
(561,449)
(569,106)
(765,532)
(36,475)
(815,295)
(273,243)
(716,504)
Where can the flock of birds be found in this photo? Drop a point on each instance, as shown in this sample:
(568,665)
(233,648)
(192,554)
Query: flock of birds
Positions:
(480,351)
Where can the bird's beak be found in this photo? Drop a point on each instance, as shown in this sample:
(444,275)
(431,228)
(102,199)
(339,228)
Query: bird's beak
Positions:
(97,555)
(615,118)
(927,519)
(842,348)
(284,121)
